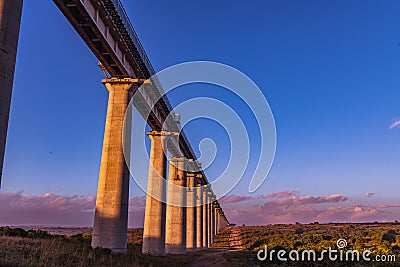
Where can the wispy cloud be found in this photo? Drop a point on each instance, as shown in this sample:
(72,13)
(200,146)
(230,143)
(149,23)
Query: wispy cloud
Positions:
(395,124)
(369,194)
(386,206)
(287,193)
(300,201)
(234,199)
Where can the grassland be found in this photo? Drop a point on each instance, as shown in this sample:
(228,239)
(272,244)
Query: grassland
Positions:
(379,238)
(19,247)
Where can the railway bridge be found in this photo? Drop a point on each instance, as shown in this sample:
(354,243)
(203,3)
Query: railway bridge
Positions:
(168,228)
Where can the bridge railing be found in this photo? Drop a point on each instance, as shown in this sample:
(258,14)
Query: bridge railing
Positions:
(128,25)
(125,19)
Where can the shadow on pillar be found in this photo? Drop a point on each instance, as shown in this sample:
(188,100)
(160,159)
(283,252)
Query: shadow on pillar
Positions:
(112,234)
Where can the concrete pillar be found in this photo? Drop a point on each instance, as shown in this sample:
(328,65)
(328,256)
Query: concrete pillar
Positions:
(217,210)
(155,214)
(191,213)
(199,218)
(212,223)
(220,222)
(210,215)
(217,222)
(111,215)
(10,20)
(205,218)
(175,239)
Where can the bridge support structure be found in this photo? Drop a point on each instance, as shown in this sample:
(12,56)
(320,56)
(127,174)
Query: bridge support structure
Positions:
(155,213)
(199,217)
(191,212)
(111,215)
(209,223)
(212,223)
(205,219)
(216,220)
(10,20)
(175,239)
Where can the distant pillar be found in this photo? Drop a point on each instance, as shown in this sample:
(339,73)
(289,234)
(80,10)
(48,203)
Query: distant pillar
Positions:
(191,213)
(217,221)
(220,221)
(205,218)
(212,223)
(155,214)
(10,20)
(210,215)
(175,240)
(111,215)
(199,217)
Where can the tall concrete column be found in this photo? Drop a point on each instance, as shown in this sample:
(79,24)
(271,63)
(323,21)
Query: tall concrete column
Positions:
(191,213)
(10,20)
(210,215)
(205,218)
(111,215)
(155,214)
(199,217)
(212,223)
(175,239)
(220,222)
(217,221)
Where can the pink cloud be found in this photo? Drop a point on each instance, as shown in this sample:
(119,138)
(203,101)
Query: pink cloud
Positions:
(50,209)
(306,200)
(395,124)
(384,206)
(368,194)
(286,193)
(234,199)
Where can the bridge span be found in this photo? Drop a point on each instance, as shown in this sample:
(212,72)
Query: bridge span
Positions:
(107,31)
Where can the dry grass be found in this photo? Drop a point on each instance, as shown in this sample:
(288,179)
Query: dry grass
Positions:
(76,251)
(18,251)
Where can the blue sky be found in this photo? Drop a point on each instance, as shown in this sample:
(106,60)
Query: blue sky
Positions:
(329,70)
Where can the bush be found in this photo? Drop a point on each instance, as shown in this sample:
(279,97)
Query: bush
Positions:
(389,236)
(7,231)
(299,231)
(38,234)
